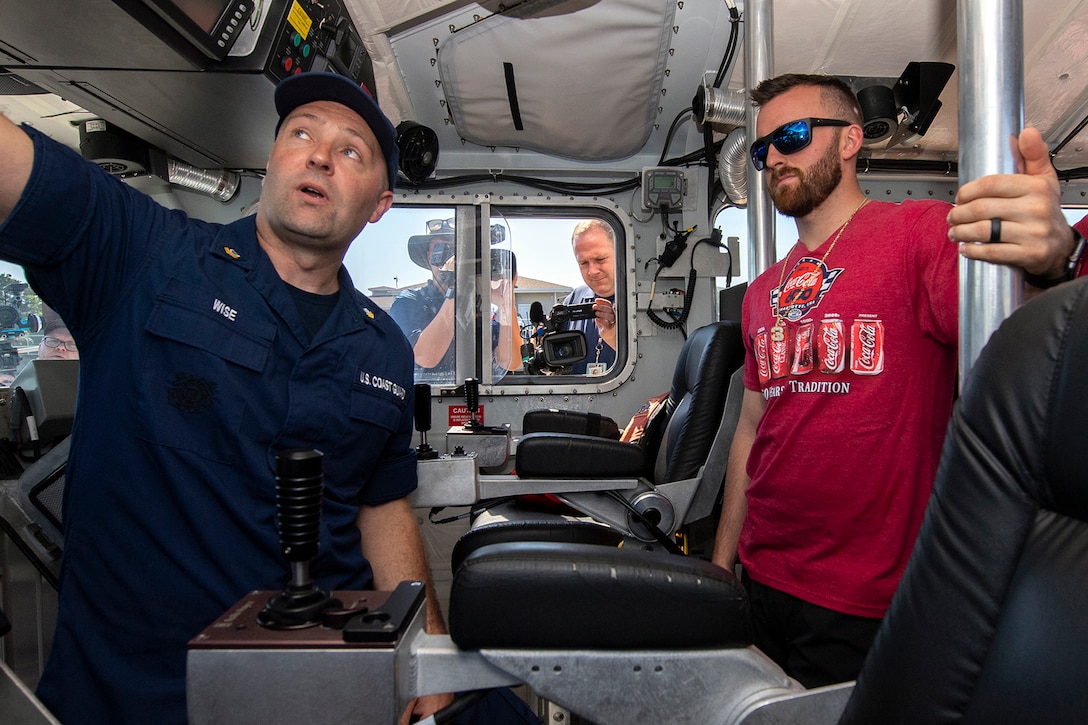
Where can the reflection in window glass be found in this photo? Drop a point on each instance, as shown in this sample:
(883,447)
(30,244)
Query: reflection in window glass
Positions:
(505,331)
(21,326)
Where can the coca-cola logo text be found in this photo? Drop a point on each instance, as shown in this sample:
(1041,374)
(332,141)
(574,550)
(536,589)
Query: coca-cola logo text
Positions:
(867,337)
(832,341)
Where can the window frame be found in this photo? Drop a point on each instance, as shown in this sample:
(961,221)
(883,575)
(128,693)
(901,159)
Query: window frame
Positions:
(476,212)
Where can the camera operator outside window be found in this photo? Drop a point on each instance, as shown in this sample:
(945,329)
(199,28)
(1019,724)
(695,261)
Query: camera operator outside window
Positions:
(594,244)
(426,313)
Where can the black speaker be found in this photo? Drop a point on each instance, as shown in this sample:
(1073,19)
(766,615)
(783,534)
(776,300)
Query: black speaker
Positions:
(418,151)
(117,151)
(879,111)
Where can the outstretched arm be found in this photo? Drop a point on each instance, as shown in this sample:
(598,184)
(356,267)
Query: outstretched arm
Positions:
(1035,236)
(16,161)
(436,337)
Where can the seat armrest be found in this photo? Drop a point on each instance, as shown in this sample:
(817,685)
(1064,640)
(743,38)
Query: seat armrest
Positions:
(559,455)
(570,421)
(552,527)
(552,595)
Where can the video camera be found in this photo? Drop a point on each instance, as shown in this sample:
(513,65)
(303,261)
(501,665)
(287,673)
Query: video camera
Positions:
(15,323)
(548,349)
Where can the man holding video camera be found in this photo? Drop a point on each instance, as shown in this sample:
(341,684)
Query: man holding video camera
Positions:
(426,314)
(594,246)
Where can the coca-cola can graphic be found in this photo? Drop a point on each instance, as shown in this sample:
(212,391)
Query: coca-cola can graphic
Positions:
(780,357)
(867,347)
(831,345)
(802,349)
(763,363)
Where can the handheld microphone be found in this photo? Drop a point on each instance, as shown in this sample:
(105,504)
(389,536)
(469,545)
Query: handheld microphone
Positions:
(536,313)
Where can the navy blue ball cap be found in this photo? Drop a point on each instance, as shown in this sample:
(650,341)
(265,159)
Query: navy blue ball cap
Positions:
(302,88)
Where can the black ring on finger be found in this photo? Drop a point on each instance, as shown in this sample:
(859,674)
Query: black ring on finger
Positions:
(995,230)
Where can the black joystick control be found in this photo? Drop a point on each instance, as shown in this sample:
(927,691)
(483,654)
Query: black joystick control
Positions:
(422,414)
(472,401)
(300,478)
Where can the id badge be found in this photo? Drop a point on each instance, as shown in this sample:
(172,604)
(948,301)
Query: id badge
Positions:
(595,370)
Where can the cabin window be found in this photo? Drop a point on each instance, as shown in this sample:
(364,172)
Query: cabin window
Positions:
(733,222)
(502,294)
(22,319)
(1074,214)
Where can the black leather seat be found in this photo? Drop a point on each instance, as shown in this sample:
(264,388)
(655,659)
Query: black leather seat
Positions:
(686,445)
(988,624)
(549,595)
(675,444)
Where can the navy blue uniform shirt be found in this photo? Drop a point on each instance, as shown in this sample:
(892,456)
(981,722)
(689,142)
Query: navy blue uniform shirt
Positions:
(195,368)
(414,309)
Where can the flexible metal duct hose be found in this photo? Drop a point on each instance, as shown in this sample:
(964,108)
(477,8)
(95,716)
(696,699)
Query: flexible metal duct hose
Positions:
(725,108)
(733,167)
(217,183)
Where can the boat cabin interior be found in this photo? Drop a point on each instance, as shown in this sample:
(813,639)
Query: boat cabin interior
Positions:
(545,444)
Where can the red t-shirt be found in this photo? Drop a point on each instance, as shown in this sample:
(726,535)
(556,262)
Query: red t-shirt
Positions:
(859,395)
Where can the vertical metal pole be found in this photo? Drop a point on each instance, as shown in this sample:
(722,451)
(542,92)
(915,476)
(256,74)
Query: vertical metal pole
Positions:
(465,330)
(758,65)
(990,38)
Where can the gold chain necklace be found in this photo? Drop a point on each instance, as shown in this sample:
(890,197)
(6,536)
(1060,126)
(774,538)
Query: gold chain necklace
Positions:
(778,332)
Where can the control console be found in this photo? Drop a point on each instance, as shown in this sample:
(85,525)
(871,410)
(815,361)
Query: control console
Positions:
(319,36)
(348,667)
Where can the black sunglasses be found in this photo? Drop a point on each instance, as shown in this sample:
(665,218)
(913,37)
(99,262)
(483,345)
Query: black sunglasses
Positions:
(436,226)
(789,138)
(447,226)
